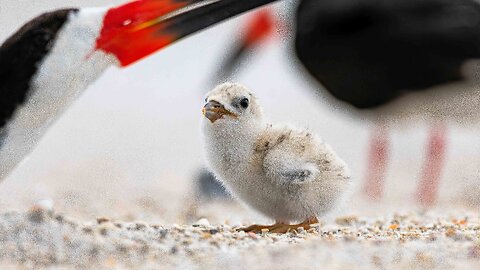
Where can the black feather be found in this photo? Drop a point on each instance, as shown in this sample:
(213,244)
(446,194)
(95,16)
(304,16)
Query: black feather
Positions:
(21,55)
(368,52)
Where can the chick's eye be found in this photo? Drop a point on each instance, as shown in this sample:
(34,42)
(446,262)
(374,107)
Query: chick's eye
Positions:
(206,99)
(244,103)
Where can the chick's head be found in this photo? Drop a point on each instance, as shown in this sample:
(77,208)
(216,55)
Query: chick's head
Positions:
(231,104)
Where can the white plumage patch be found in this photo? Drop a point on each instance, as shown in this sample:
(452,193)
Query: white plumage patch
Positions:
(63,75)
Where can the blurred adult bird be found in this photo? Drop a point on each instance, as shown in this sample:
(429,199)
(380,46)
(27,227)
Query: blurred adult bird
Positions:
(396,59)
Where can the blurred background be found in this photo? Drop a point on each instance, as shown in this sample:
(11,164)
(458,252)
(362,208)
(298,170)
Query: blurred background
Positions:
(130,147)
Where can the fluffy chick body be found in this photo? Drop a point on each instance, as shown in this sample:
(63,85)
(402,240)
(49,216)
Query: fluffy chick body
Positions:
(285,173)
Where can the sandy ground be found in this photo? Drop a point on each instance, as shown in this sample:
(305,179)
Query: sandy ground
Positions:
(108,222)
(43,238)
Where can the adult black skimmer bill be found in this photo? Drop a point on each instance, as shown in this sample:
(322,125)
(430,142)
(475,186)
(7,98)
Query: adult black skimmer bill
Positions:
(52,59)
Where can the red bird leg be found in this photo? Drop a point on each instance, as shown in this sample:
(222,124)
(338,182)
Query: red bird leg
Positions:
(377,163)
(427,191)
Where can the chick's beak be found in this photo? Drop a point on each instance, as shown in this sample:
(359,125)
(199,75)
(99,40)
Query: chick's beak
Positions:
(214,110)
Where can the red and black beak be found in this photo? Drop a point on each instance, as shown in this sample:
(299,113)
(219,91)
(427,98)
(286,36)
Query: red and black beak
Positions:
(260,26)
(140,28)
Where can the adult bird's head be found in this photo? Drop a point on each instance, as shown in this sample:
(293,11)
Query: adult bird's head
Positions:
(68,49)
(118,35)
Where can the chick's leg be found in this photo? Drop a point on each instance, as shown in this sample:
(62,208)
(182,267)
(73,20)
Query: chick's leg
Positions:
(258,228)
(280,227)
(284,228)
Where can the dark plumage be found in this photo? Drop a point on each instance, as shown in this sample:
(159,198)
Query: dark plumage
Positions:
(369,52)
(20,56)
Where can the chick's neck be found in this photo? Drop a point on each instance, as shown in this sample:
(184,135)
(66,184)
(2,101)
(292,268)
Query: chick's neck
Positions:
(240,138)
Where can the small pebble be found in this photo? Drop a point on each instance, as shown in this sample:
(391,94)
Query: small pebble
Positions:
(202,222)
(101,220)
(44,204)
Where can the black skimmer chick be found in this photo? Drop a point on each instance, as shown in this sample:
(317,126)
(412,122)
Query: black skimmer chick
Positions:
(287,174)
